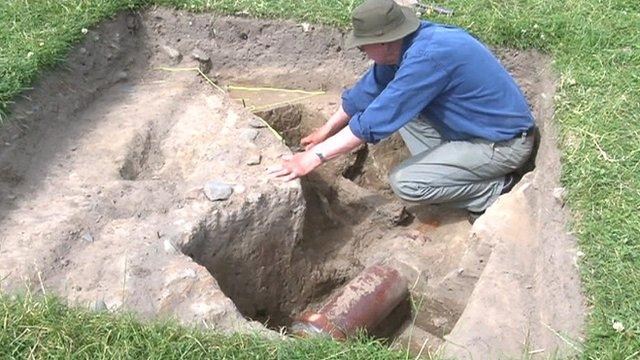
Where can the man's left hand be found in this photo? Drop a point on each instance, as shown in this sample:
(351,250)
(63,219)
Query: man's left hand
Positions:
(295,166)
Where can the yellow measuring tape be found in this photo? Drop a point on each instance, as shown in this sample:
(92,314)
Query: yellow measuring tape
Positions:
(308,94)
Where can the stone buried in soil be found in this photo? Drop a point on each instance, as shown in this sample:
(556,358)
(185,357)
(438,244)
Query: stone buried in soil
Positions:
(254,159)
(204,61)
(173,54)
(216,190)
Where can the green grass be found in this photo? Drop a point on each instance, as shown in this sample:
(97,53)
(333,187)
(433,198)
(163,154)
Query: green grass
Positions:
(595,45)
(46,328)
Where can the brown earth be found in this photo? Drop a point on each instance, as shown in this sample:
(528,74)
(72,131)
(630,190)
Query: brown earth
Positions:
(103,169)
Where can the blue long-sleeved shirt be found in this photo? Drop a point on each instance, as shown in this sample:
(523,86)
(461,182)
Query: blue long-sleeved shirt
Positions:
(451,78)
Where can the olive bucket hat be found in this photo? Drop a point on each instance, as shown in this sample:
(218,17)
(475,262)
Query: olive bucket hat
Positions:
(380,21)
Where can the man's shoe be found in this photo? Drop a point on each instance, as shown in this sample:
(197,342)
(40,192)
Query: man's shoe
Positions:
(472,216)
(510,181)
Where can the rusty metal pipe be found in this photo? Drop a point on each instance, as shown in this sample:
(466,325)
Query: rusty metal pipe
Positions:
(362,304)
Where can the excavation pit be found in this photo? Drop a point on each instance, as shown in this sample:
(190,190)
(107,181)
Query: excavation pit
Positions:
(102,188)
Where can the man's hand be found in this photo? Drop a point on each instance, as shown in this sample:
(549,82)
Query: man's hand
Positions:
(295,166)
(336,122)
(316,137)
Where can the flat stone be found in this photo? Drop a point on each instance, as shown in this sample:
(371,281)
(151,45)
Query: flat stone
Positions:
(254,159)
(217,191)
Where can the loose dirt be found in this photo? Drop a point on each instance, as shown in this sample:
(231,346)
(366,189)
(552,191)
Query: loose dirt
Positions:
(103,170)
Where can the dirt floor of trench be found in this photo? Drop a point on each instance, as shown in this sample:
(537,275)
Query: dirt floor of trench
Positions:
(352,219)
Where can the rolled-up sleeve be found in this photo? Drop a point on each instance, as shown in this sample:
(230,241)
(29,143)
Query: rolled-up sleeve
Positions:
(357,98)
(416,83)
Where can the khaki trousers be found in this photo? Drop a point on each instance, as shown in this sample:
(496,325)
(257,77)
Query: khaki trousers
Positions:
(462,174)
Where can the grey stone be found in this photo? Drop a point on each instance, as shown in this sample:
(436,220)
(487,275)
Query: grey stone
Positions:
(249,134)
(257,123)
(174,54)
(200,55)
(254,159)
(87,237)
(560,194)
(169,247)
(217,191)
(204,61)
(122,76)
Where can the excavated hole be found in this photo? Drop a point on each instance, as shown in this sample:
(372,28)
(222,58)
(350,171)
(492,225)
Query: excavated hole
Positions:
(318,267)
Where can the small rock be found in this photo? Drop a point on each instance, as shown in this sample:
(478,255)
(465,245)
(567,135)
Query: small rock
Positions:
(190,273)
(440,321)
(305,27)
(394,213)
(99,305)
(257,123)
(174,54)
(87,237)
(200,55)
(559,194)
(122,76)
(215,190)
(617,326)
(249,134)
(204,61)
(169,247)
(254,159)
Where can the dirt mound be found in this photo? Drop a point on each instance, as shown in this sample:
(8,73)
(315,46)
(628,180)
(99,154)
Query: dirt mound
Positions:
(109,172)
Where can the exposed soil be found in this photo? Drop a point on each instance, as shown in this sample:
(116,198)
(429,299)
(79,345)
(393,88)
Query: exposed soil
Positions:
(102,175)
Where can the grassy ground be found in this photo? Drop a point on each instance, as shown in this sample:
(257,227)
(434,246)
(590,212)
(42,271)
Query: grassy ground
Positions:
(48,329)
(595,45)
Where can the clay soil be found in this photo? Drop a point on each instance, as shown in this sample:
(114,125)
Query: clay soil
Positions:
(484,290)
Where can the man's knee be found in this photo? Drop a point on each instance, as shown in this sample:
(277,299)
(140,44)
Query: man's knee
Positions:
(407,187)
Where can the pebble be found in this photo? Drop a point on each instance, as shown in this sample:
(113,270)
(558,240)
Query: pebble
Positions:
(254,159)
(122,76)
(257,123)
(216,190)
(87,237)
(204,61)
(168,246)
(200,55)
(559,194)
(174,54)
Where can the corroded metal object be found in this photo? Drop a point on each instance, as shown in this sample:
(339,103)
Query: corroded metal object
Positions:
(362,304)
